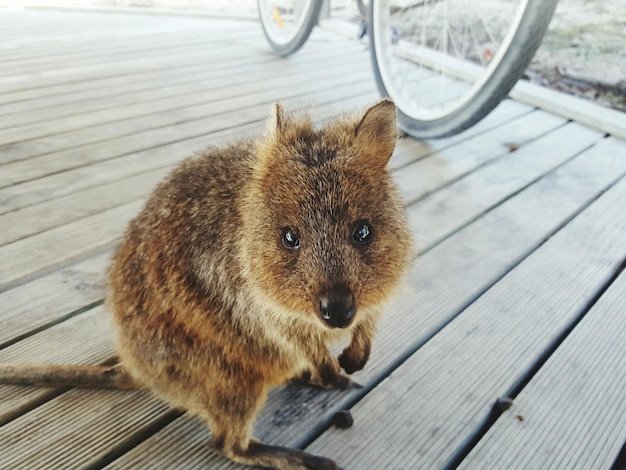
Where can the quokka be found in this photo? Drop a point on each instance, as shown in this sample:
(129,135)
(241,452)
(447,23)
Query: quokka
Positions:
(244,265)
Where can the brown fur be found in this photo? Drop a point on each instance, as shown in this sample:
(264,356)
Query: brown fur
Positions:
(210,308)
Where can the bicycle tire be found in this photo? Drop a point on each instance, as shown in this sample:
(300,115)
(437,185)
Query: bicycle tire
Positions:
(283,45)
(524,38)
(362,7)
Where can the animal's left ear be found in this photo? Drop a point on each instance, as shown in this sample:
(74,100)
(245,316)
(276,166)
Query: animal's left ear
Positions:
(376,133)
(276,121)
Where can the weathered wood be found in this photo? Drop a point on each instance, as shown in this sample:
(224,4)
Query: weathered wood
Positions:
(436,399)
(461,203)
(82,340)
(77,73)
(572,414)
(167,49)
(211,87)
(14,197)
(207,105)
(33,220)
(590,114)
(40,439)
(134,129)
(483,225)
(425,176)
(153,46)
(62,245)
(66,93)
(166,83)
(48,214)
(49,299)
(502,114)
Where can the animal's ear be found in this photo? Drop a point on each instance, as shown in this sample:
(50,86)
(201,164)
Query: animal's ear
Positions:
(276,120)
(376,133)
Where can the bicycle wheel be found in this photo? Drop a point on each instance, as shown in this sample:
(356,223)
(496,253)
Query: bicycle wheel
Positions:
(448,63)
(287,24)
(362,8)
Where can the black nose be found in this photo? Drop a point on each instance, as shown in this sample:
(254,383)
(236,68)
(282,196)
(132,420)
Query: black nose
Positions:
(337,307)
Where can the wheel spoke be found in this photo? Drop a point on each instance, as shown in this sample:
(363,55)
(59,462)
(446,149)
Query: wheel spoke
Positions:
(450,61)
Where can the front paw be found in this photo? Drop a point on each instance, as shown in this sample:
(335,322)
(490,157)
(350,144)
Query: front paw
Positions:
(351,362)
(328,376)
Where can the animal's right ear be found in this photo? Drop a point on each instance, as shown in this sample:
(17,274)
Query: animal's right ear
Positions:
(376,133)
(276,120)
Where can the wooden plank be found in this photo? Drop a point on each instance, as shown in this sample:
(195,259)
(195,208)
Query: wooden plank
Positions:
(189,436)
(18,27)
(35,219)
(56,28)
(113,85)
(170,105)
(601,118)
(163,83)
(50,299)
(79,73)
(506,111)
(168,48)
(60,184)
(43,252)
(150,46)
(445,280)
(131,179)
(228,106)
(196,56)
(234,14)
(435,400)
(17,196)
(52,213)
(196,61)
(499,179)
(61,245)
(54,51)
(75,428)
(84,339)
(572,414)
(424,176)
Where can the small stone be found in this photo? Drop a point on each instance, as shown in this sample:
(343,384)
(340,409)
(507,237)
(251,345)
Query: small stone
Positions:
(343,419)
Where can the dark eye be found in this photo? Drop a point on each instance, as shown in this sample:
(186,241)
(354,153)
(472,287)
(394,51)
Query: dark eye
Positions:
(290,239)
(362,232)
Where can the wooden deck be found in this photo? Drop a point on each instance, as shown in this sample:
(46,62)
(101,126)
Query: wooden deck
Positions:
(520,291)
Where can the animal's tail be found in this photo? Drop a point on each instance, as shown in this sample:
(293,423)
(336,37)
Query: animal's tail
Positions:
(103,376)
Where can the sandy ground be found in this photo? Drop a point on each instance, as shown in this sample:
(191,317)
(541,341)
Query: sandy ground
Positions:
(583,53)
